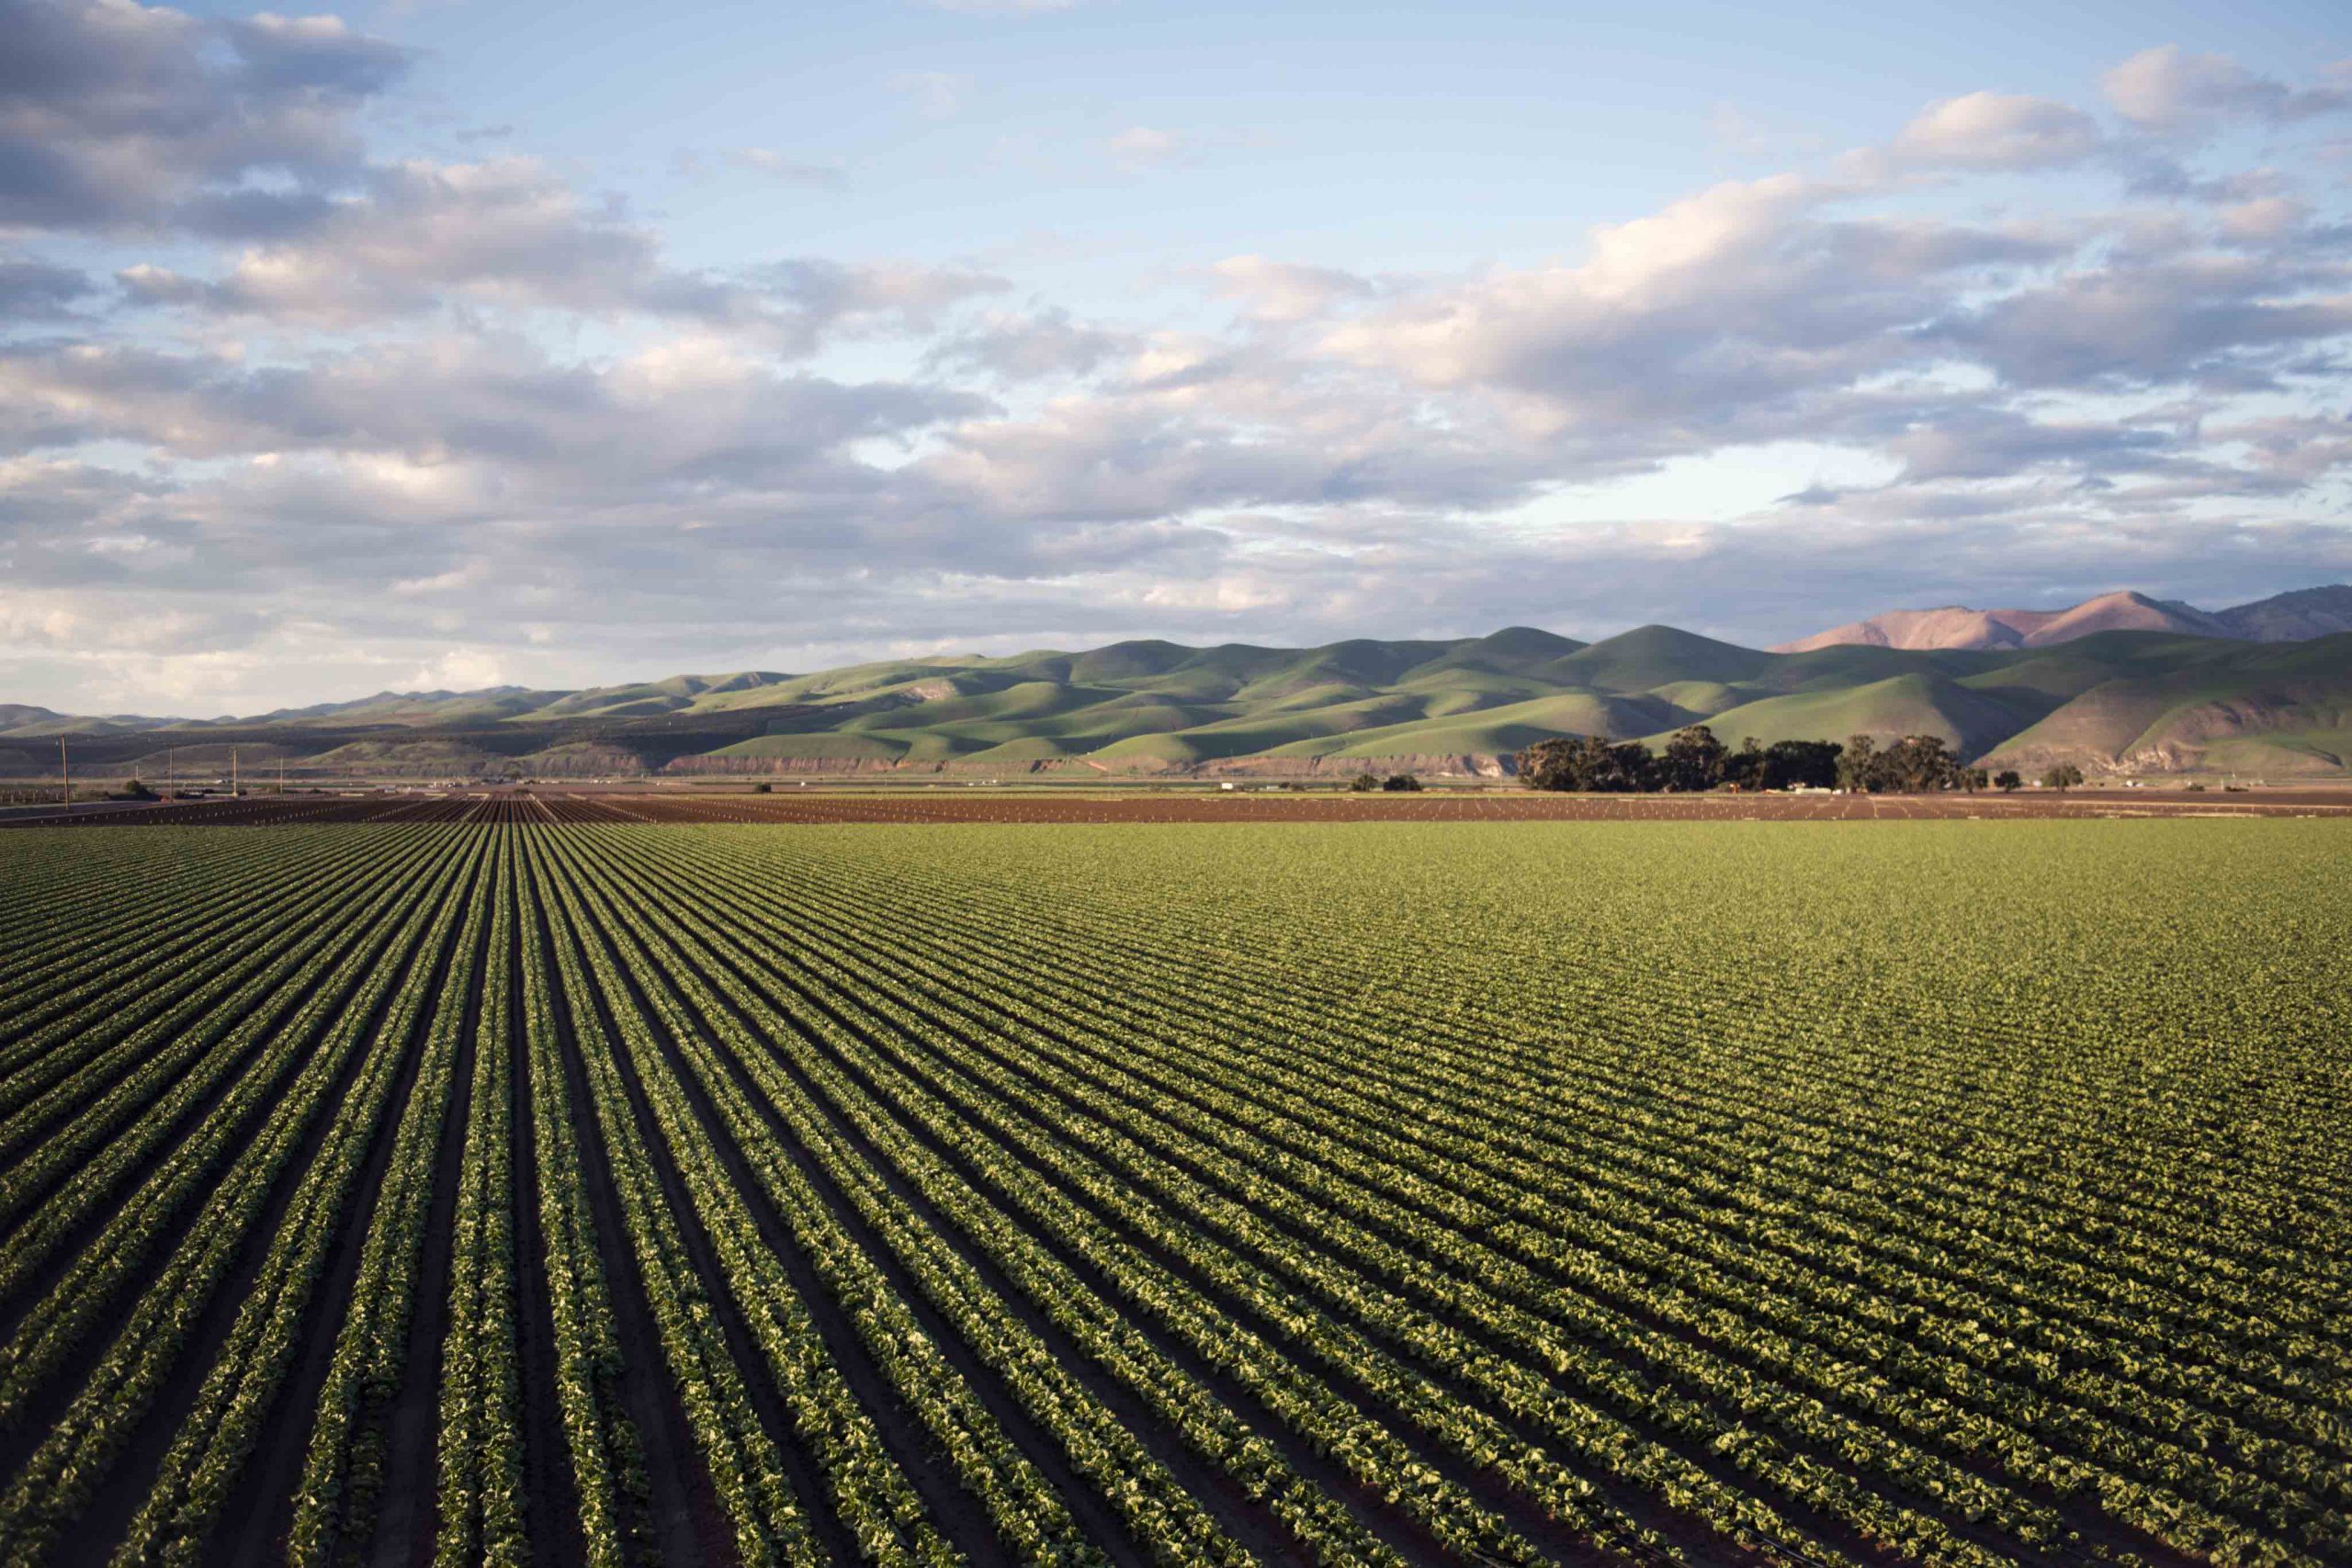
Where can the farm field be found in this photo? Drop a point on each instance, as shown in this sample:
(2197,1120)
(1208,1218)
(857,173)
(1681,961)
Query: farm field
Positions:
(546,1186)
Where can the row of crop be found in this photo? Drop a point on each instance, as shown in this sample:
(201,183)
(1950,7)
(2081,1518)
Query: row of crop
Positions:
(1899,1440)
(204,906)
(248,1118)
(343,1470)
(1866,1053)
(132,1050)
(605,1449)
(1139,1186)
(1583,975)
(85,885)
(480,1494)
(1323,1418)
(2265,1504)
(1482,1101)
(1496,1029)
(871,1495)
(1522,1147)
(1992,1435)
(88,1435)
(745,1471)
(1179,1400)
(240,1393)
(1156,1509)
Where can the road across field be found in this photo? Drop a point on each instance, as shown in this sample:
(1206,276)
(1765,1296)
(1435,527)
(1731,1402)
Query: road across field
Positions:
(816,807)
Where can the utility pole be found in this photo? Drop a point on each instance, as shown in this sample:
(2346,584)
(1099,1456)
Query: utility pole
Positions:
(281,775)
(232,772)
(170,766)
(61,772)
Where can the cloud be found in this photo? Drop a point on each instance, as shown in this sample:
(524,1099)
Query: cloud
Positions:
(493,412)
(2168,89)
(115,115)
(1997,131)
(313,55)
(1025,347)
(1750,312)
(2188,318)
(508,233)
(34,290)
(1995,444)
(1288,291)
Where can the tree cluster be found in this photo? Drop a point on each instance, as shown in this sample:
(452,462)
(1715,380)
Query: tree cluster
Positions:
(1694,760)
(1916,765)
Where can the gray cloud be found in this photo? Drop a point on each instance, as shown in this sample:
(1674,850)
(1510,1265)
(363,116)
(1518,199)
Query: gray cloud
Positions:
(1013,347)
(507,233)
(34,290)
(473,422)
(2169,89)
(114,115)
(2217,319)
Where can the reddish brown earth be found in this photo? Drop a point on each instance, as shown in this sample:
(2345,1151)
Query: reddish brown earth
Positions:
(912,805)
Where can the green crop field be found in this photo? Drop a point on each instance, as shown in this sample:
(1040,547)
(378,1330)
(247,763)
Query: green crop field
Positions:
(1375,1193)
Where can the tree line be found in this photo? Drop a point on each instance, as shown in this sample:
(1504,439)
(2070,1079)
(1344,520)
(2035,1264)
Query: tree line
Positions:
(1694,759)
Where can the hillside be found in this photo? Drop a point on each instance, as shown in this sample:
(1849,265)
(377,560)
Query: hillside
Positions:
(2139,699)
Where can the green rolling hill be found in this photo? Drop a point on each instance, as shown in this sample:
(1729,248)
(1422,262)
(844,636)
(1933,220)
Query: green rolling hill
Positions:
(2111,701)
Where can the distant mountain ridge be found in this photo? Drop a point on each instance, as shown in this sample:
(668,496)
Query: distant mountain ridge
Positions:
(2137,697)
(2286,617)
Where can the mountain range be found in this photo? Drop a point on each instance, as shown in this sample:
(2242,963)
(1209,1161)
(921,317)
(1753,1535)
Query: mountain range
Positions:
(2091,685)
(2286,617)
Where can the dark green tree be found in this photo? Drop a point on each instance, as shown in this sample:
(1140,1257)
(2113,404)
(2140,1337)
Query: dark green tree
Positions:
(1744,769)
(1917,764)
(2006,780)
(1693,760)
(1591,764)
(1807,765)
(1859,769)
(1400,784)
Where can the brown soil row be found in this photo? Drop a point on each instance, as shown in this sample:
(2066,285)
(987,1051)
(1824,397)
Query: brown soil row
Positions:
(822,807)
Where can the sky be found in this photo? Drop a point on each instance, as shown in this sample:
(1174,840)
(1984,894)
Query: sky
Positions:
(439,344)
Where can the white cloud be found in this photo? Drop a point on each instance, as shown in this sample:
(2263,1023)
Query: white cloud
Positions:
(1288,291)
(460,670)
(1997,131)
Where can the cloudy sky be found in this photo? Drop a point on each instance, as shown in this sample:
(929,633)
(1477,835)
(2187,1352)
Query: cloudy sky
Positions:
(445,343)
